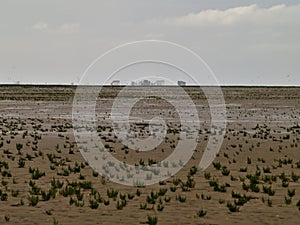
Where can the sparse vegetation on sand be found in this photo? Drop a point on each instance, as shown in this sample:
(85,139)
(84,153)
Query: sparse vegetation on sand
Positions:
(42,170)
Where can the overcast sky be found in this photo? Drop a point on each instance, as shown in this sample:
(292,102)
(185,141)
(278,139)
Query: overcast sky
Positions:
(243,42)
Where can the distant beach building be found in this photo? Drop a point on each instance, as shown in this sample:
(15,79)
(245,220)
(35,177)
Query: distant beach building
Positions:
(181,83)
(115,83)
(145,83)
(133,83)
(159,83)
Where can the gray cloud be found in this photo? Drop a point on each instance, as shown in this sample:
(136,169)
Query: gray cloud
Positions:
(66,28)
(40,26)
(252,14)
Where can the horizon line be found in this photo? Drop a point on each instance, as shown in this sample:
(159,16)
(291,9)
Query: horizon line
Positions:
(166,85)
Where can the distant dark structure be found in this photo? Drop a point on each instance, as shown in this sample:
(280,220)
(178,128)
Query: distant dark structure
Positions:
(181,83)
(159,83)
(115,83)
(145,83)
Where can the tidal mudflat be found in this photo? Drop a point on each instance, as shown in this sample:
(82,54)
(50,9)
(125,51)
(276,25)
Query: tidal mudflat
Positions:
(253,180)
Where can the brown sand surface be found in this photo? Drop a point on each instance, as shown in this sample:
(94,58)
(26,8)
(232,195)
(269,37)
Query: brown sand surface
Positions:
(259,161)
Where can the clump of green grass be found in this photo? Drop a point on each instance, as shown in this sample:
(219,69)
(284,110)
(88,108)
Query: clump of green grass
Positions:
(85,185)
(106,202)
(55,221)
(21,163)
(111,193)
(7,218)
(143,206)
(217,187)
(287,200)
(232,207)
(36,173)
(167,199)
(130,196)
(33,200)
(161,182)
(248,160)
(152,220)
(294,177)
(14,193)
(298,204)
(268,190)
(151,199)
(193,170)
(181,198)
(3,196)
(162,191)
(48,212)
(56,183)
(225,171)
(269,202)
(201,213)
(291,192)
(160,207)
(176,181)
(93,204)
(121,204)
(173,188)
(207,176)
(267,169)
(46,196)
(221,201)
(217,165)
(138,192)
(95,174)
(205,197)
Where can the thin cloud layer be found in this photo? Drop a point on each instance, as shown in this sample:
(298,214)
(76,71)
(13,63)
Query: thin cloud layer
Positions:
(70,27)
(40,26)
(66,28)
(252,14)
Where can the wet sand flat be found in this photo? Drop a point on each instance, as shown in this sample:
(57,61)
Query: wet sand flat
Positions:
(253,180)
